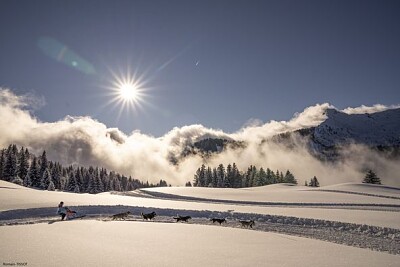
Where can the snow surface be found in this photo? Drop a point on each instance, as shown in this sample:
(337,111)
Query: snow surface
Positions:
(286,193)
(31,231)
(14,197)
(381,128)
(94,243)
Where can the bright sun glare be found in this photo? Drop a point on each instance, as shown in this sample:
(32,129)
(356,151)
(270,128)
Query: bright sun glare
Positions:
(127,92)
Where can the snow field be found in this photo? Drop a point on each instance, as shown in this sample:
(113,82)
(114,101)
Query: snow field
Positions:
(94,243)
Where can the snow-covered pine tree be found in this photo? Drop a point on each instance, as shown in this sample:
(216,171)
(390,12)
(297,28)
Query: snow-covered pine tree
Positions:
(236,179)
(79,177)
(220,175)
(371,178)
(71,181)
(76,189)
(202,178)
(289,178)
(117,185)
(17,180)
(208,177)
(196,178)
(270,177)
(56,175)
(261,178)
(253,176)
(98,184)
(124,183)
(51,186)
(23,162)
(91,189)
(229,176)
(214,177)
(46,179)
(10,166)
(43,164)
(63,183)
(2,163)
(34,173)
(314,182)
(27,180)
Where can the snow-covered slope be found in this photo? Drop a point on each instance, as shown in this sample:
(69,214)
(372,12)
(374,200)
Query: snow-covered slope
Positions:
(287,193)
(377,129)
(94,243)
(29,227)
(14,197)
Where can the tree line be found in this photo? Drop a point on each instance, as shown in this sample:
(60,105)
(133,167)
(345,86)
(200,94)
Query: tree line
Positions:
(232,177)
(23,168)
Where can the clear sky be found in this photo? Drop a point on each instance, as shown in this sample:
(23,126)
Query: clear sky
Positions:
(217,63)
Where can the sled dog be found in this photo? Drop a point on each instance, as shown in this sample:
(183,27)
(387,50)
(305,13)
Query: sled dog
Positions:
(182,218)
(120,216)
(148,216)
(247,224)
(218,220)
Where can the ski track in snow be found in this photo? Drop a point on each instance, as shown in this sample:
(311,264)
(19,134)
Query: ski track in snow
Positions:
(363,236)
(370,206)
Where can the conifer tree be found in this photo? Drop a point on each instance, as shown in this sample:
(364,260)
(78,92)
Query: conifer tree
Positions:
(371,178)
(34,173)
(71,182)
(43,164)
(27,180)
(208,177)
(261,178)
(51,186)
(10,167)
(46,179)
(2,163)
(17,180)
(289,178)
(220,175)
(76,189)
(314,182)
(236,179)
(214,177)
(23,162)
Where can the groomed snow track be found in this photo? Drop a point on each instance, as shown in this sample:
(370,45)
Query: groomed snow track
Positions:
(363,236)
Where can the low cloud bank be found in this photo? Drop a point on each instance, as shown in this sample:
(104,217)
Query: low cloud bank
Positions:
(85,141)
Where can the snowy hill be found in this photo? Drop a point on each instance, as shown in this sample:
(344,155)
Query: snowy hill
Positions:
(360,223)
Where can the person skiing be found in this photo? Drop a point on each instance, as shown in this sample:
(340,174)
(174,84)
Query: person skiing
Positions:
(64,211)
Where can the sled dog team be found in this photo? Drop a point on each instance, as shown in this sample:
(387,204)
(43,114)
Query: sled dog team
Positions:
(178,218)
(66,212)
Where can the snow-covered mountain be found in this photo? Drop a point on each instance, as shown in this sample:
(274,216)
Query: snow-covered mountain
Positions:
(379,131)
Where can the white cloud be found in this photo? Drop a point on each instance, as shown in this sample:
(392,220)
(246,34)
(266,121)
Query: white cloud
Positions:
(365,109)
(83,140)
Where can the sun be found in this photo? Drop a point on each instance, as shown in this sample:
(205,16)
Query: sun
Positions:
(128,92)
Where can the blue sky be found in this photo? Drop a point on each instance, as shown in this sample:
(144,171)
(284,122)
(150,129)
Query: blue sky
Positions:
(217,63)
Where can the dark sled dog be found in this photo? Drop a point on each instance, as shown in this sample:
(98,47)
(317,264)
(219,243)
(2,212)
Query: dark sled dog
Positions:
(220,221)
(120,216)
(247,224)
(149,216)
(182,218)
